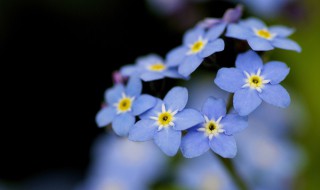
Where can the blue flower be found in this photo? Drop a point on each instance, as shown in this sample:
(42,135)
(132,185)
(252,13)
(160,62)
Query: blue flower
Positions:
(197,45)
(118,162)
(273,160)
(149,68)
(166,120)
(251,82)
(206,173)
(215,133)
(231,15)
(124,103)
(262,38)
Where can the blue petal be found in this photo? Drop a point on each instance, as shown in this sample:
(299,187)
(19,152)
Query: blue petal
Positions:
(229,79)
(224,145)
(147,60)
(233,123)
(281,31)
(212,47)
(151,76)
(194,144)
(114,94)
(143,130)
(190,64)
(286,44)
(134,86)
(172,73)
(105,116)
(176,56)
(143,103)
(122,123)
(214,108)
(176,99)
(216,31)
(192,35)
(253,23)
(153,112)
(168,140)
(238,32)
(249,62)
(128,70)
(187,118)
(275,95)
(260,44)
(246,100)
(275,71)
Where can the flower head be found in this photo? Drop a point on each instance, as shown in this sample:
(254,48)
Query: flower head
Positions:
(251,82)
(197,45)
(230,16)
(149,68)
(166,120)
(124,103)
(262,38)
(215,132)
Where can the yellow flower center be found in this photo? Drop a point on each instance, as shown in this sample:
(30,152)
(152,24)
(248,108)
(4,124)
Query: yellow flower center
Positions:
(157,67)
(211,127)
(165,118)
(124,104)
(197,46)
(264,33)
(255,81)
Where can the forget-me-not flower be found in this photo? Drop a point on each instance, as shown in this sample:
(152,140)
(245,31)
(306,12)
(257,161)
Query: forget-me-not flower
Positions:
(262,38)
(215,132)
(230,16)
(197,45)
(149,68)
(206,173)
(251,82)
(166,120)
(124,103)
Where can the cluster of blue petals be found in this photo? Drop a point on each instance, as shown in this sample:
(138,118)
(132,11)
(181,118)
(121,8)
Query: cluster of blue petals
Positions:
(250,83)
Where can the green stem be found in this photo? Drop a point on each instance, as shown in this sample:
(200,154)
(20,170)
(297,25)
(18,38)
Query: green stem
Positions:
(227,162)
(232,171)
(230,103)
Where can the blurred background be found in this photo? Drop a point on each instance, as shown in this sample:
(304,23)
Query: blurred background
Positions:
(57,58)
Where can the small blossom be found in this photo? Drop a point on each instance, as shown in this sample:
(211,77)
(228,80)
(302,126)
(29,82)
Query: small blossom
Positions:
(251,82)
(197,45)
(149,68)
(165,121)
(215,132)
(230,16)
(262,38)
(204,173)
(124,103)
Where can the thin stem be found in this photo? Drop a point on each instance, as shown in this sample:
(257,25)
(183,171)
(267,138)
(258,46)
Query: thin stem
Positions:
(232,171)
(230,103)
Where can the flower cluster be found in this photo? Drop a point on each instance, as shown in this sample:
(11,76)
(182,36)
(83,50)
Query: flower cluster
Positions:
(167,121)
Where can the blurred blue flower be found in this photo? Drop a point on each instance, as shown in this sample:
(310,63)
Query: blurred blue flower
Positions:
(230,16)
(166,120)
(265,8)
(262,38)
(122,164)
(266,161)
(251,82)
(215,133)
(124,103)
(197,45)
(206,173)
(149,68)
